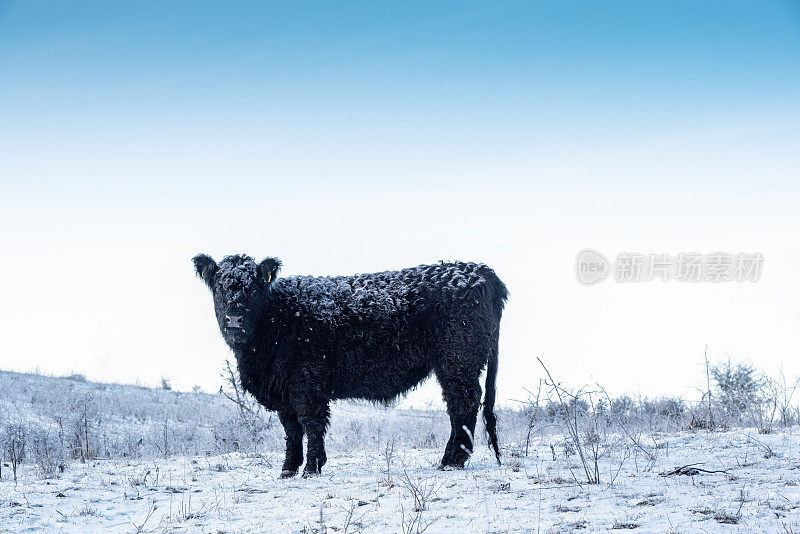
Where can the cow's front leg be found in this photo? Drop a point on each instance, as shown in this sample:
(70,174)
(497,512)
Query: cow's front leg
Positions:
(294,443)
(314,419)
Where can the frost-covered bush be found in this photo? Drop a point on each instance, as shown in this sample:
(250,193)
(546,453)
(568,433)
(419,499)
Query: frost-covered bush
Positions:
(14,441)
(744,396)
(738,386)
(623,405)
(669,407)
(46,451)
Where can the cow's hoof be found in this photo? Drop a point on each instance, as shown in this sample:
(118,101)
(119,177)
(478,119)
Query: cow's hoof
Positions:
(450,467)
(286,473)
(310,474)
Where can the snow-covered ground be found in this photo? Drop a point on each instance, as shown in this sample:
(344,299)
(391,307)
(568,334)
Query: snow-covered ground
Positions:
(164,461)
(357,493)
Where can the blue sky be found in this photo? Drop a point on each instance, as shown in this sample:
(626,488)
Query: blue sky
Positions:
(523,75)
(364,136)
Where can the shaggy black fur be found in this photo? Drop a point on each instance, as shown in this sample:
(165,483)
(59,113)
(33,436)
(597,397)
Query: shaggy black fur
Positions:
(303,341)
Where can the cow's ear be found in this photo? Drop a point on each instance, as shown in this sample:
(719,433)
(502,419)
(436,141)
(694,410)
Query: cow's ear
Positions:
(268,269)
(206,267)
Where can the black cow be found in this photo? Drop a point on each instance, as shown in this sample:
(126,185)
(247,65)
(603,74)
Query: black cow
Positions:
(302,341)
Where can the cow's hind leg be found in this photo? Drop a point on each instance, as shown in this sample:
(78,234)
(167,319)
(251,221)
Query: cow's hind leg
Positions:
(294,443)
(461,390)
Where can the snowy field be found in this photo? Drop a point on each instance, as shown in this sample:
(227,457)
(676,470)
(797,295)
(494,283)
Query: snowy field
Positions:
(356,493)
(380,475)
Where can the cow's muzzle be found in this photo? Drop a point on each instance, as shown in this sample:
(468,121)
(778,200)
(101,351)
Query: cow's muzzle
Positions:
(233,321)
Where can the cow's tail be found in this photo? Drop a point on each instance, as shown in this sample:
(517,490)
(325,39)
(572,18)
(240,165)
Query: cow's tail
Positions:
(489,418)
(499,297)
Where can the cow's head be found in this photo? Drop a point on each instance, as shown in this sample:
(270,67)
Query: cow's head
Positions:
(241,289)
